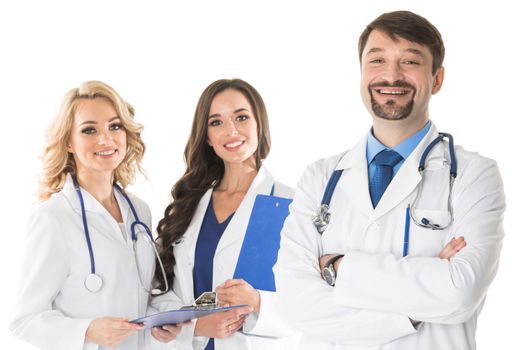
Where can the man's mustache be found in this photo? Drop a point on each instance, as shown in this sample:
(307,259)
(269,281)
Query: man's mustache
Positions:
(397,83)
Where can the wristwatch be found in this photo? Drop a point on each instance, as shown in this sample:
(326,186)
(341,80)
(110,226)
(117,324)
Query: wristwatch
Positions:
(329,273)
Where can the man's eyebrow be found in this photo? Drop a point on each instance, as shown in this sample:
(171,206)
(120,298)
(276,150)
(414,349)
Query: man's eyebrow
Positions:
(374,50)
(411,50)
(415,51)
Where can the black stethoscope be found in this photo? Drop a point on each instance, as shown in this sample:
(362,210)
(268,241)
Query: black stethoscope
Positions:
(93,281)
(321,217)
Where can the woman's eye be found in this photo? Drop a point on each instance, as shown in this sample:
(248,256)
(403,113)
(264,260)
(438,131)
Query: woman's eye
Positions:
(117,126)
(242,117)
(215,122)
(89,131)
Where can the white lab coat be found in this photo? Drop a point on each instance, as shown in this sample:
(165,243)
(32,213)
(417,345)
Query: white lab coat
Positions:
(54,308)
(266,331)
(377,290)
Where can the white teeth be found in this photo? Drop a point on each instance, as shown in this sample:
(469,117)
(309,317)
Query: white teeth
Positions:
(233,144)
(395,92)
(105,153)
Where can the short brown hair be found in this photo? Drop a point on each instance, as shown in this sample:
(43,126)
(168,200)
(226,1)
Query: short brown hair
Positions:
(409,26)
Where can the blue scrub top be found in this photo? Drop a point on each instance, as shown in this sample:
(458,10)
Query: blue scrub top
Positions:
(209,236)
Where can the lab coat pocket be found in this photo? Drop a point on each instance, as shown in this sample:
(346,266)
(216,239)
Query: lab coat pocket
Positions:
(426,241)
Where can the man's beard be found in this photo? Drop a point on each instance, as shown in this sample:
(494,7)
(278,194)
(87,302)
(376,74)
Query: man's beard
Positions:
(389,111)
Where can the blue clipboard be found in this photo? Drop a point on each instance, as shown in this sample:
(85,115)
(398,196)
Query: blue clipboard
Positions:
(179,316)
(262,241)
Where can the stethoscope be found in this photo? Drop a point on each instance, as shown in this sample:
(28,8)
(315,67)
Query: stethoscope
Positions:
(93,282)
(321,217)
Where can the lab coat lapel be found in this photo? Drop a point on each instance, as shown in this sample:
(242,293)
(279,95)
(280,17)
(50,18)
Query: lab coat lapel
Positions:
(185,256)
(354,180)
(234,233)
(408,177)
(98,217)
(127,215)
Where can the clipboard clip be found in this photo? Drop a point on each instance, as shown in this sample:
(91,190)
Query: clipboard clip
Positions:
(205,301)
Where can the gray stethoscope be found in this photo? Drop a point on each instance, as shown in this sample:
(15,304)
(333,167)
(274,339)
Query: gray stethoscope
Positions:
(93,282)
(321,217)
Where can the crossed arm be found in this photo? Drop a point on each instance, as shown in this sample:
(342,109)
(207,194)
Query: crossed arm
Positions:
(444,289)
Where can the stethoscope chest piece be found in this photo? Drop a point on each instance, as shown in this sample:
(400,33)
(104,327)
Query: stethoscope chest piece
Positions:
(321,218)
(93,282)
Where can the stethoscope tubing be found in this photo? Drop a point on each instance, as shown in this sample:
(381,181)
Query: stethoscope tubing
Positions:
(86,229)
(134,238)
(321,219)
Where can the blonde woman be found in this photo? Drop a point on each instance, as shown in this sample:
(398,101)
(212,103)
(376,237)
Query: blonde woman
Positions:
(83,278)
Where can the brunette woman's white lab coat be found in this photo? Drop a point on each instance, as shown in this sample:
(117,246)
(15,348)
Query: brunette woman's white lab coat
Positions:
(265,331)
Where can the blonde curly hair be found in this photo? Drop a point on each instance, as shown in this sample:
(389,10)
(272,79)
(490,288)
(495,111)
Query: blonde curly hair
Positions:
(58,162)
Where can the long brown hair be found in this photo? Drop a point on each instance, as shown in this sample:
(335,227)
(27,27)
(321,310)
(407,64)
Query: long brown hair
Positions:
(204,169)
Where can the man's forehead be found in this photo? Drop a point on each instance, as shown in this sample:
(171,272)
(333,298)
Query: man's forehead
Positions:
(379,41)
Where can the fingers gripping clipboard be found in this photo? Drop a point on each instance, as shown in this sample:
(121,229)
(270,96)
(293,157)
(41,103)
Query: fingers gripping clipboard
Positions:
(204,305)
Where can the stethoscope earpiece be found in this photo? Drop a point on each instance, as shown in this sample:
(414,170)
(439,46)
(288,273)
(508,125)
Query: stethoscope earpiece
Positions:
(427,224)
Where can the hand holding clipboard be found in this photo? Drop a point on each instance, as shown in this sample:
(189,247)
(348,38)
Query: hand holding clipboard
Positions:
(204,305)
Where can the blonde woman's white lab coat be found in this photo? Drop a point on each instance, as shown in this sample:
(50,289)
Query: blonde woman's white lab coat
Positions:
(377,291)
(54,308)
(265,331)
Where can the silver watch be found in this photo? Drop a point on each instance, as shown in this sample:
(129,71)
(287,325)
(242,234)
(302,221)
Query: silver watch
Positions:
(329,273)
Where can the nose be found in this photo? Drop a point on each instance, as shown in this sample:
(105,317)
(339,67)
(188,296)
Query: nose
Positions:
(104,138)
(231,127)
(393,72)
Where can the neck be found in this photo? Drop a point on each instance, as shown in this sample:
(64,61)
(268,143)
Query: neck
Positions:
(392,132)
(99,185)
(238,176)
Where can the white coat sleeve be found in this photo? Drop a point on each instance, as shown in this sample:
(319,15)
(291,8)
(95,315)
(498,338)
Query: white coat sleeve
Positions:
(432,289)
(268,322)
(45,268)
(305,300)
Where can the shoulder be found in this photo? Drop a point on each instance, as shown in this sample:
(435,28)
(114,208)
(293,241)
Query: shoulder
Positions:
(48,219)
(473,167)
(323,168)
(472,162)
(54,208)
(141,206)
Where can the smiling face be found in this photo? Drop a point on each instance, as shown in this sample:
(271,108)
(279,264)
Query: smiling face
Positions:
(232,128)
(98,139)
(396,78)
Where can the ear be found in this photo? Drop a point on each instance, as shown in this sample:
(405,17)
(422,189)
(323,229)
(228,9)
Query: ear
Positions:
(69,145)
(438,80)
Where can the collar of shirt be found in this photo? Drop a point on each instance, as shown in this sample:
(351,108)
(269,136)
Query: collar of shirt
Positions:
(405,148)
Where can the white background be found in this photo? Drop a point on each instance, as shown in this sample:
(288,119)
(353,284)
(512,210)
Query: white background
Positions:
(300,55)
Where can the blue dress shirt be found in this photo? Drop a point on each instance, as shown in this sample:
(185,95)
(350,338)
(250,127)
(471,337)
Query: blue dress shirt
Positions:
(405,148)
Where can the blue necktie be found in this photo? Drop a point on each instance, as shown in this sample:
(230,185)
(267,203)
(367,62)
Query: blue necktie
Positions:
(385,162)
